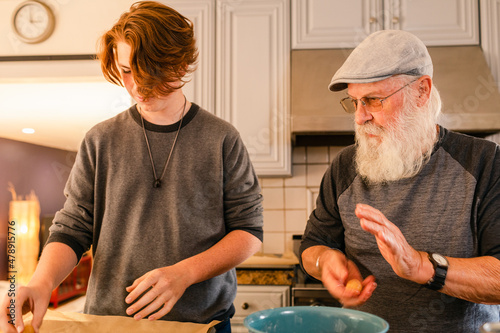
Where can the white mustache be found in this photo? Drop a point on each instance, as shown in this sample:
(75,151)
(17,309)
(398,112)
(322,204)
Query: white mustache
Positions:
(370,129)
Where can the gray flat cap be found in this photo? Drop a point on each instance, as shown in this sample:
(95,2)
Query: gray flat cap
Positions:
(383,54)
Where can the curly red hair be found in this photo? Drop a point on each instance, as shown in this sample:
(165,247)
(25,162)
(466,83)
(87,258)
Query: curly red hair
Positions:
(163,48)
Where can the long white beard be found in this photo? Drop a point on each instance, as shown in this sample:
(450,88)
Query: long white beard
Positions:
(400,150)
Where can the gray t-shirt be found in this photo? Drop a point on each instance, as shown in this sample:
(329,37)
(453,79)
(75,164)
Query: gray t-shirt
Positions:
(451,207)
(209,189)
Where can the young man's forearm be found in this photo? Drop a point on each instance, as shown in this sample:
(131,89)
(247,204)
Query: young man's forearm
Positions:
(56,262)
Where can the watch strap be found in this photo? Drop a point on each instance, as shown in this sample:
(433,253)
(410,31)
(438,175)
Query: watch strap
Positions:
(440,271)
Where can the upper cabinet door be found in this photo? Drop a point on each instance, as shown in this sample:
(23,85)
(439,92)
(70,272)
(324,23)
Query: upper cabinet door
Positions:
(437,23)
(321,24)
(252,78)
(242,74)
(334,24)
(490,35)
(200,89)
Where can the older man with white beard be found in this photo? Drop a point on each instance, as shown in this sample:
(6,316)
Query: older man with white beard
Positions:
(412,209)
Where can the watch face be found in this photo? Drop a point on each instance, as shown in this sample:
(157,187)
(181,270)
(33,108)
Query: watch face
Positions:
(440,259)
(33,22)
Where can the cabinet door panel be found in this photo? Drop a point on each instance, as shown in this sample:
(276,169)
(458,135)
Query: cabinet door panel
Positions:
(252,80)
(443,22)
(490,34)
(333,24)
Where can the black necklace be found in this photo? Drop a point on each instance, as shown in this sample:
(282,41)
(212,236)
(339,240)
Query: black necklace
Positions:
(157,181)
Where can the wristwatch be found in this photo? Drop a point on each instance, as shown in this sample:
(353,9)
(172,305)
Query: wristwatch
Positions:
(440,269)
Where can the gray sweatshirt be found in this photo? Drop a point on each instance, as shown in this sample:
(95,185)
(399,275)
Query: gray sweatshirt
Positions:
(208,190)
(451,207)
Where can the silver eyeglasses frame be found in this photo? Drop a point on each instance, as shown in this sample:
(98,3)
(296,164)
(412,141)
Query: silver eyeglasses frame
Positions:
(348,102)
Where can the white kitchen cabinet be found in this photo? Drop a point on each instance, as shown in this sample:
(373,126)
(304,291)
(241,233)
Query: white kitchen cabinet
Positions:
(200,89)
(490,35)
(243,73)
(253,298)
(252,78)
(323,24)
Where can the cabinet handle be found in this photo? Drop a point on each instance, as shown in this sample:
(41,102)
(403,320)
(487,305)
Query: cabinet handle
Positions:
(373,20)
(245,306)
(395,20)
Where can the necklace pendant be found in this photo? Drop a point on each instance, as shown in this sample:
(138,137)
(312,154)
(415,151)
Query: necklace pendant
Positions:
(157,183)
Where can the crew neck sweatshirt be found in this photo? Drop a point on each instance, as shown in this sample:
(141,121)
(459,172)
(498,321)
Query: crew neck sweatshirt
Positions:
(209,189)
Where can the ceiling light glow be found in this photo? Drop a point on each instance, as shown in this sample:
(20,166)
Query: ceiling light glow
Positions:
(28,130)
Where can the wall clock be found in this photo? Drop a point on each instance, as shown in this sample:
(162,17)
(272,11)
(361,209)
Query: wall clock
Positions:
(33,21)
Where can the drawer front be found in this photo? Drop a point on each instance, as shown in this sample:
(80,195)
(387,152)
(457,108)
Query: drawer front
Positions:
(253,298)
(247,303)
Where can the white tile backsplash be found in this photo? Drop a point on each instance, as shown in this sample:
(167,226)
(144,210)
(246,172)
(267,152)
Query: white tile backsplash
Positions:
(273,198)
(295,198)
(317,155)
(315,174)
(298,176)
(296,221)
(289,201)
(334,150)
(299,155)
(289,241)
(274,243)
(272,182)
(274,220)
(312,196)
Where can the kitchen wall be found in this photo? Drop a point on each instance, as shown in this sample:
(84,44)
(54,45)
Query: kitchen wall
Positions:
(73,33)
(289,201)
(31,167)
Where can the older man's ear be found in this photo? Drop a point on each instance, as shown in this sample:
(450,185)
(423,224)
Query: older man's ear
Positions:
(424,90)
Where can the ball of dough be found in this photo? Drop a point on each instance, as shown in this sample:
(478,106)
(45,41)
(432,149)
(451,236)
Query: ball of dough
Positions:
(354,284)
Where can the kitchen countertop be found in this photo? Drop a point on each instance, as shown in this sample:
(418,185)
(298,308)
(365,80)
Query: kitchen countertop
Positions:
(267,270)
(270,261)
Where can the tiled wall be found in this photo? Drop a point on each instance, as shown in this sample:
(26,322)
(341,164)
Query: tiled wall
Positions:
(289,201)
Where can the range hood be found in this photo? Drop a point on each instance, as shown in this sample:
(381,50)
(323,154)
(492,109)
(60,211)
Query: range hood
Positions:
(471,100)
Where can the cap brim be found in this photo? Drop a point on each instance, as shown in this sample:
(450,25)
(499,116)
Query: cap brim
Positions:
(341,83)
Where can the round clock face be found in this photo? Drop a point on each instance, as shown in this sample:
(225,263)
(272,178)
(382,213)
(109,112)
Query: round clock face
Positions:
(33,22)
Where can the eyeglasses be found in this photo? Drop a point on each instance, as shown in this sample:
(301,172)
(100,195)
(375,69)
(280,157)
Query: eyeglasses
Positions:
(372,104)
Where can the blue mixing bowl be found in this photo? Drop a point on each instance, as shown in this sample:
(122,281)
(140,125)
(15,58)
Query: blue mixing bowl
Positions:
(317,319)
